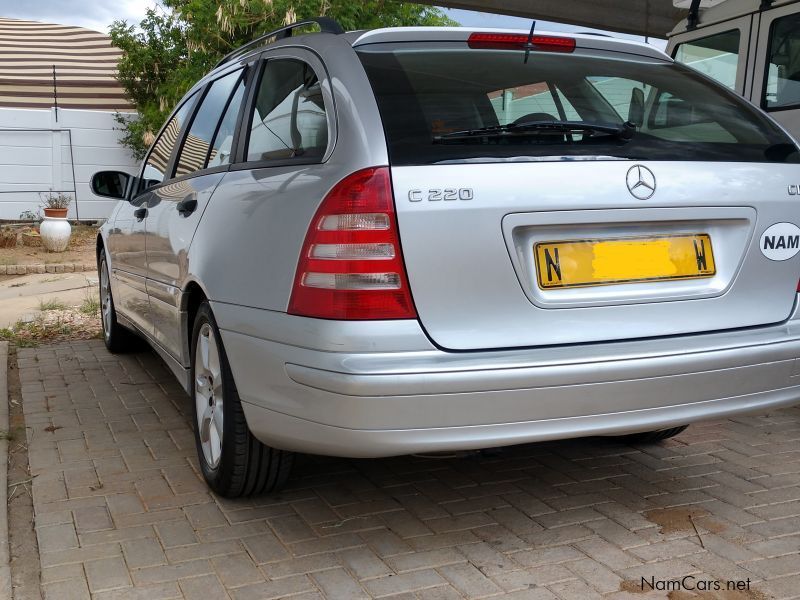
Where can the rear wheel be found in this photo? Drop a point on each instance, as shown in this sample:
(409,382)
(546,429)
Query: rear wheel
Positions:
(651,437)
(233,462)
(116,337)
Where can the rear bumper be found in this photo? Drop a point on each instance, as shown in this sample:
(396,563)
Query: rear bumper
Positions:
(370,404)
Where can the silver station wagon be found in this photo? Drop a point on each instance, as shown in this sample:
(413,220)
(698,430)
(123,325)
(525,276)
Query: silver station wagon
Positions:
(408,240)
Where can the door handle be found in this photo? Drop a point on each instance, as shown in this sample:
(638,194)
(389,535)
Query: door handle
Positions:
(187,206)
(140,213)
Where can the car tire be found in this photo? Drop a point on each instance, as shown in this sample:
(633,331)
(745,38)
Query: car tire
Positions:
(651,437)
(234,463)
(116,337)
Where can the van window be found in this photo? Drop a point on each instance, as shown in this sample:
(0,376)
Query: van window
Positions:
(443,102)
(155,169)
(197,145)
(716,56)
(783,69)
(289,115)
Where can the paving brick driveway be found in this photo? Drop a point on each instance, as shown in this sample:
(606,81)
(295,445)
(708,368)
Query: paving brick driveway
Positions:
(121,512)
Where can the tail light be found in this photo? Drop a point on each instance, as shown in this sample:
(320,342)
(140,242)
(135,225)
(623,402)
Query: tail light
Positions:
(351,266)
(519,41)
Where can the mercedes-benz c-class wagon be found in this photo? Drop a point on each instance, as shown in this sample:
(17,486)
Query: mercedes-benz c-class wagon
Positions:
(407,240)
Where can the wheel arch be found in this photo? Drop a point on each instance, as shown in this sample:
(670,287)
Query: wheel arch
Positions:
(192,296)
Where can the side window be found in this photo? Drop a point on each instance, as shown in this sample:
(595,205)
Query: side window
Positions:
(222,146)
(532,102)
(194,154)
(289,115)
(155,169)
(782,88)
(716,56)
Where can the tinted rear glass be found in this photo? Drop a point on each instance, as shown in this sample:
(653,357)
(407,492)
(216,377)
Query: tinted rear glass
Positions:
(429,94)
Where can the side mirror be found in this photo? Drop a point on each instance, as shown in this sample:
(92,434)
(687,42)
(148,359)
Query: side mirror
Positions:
(111,184)
(636,108)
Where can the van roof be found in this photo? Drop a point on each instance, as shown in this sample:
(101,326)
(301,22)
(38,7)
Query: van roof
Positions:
(727,10)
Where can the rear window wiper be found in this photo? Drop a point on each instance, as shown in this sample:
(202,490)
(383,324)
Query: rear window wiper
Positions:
(526,128)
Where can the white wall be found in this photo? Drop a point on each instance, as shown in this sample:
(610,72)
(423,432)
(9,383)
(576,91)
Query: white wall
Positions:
(36,156)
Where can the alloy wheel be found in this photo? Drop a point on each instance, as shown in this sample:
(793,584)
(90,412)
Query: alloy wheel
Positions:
(208,395)
(105,299)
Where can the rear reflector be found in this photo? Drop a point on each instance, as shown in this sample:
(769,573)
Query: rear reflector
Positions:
(518,41)
(351,266)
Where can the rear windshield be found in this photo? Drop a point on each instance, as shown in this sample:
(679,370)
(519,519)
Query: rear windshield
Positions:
(444,102)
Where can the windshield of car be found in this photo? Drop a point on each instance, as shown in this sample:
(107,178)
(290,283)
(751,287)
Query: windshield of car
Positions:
(428,90)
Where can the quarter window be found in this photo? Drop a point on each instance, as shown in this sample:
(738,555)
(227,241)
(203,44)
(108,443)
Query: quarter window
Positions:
(155,169)
(289,118)
(782,88)
(716,56)
(197,146)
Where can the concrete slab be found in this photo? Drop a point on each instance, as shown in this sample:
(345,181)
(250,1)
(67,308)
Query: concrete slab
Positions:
(21,297)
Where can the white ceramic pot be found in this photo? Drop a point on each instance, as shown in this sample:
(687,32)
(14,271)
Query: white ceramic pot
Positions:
(55,233)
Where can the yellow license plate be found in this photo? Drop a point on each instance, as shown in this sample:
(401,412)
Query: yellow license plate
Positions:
(582,263)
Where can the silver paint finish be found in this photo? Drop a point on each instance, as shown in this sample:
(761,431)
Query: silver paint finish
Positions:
(436,400)
(477,290)
(168,239)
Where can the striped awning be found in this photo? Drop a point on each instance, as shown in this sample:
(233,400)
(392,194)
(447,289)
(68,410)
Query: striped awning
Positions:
(84,61)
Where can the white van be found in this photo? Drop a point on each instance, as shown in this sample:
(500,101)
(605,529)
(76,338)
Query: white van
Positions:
(751,46)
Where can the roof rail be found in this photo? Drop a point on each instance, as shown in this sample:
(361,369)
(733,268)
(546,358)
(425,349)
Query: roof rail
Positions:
(326,25)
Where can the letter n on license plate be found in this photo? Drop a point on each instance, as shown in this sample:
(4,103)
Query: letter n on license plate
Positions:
(584,263)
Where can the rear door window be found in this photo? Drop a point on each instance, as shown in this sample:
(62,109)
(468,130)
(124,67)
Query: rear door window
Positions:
(716,56)
(155,168)
(197,146)
(289,119)
(782,88)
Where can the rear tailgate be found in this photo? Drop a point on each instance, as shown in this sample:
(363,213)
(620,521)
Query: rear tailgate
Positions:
(469,234)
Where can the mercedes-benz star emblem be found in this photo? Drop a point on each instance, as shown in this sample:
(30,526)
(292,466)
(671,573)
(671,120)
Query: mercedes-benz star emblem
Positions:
(641,182)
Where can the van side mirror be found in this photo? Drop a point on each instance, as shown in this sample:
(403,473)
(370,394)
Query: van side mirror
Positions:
(636,108)
(111,184)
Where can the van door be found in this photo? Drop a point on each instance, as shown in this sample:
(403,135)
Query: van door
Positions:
(719,51)
(776,82)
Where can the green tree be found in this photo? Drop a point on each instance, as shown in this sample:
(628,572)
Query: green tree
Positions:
(177,43)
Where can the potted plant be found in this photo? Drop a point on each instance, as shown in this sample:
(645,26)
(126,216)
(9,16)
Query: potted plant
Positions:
(55,229)
(56,204)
